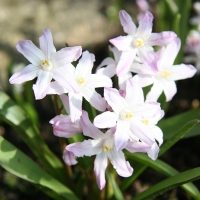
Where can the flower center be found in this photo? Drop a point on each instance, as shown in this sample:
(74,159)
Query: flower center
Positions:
(46,65)
(145,121)
(107,148)
(138,43)
(165,73)
(126,116)
(81,81)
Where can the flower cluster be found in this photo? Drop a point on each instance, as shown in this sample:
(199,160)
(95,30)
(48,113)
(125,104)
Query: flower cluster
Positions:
(129,119)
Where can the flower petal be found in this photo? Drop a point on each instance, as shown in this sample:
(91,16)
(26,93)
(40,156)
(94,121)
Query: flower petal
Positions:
(123,43)
(85,65)
(100,165)
(75,106)
(169,88)
(125,62)
(69,158)
(94,98)
(97,80)
(163,38)
(30,52)
(56,88)
(65,100)
(26,74)
(105,120)
(118,161)
(153,152)
(63,126)
(155,92)
(182,71)
(108,71)
(88,128)
(145,24)
(46,43)
(42,84)
(127,22)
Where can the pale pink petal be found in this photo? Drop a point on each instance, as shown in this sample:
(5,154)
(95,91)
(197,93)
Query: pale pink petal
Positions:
(163,38)
(120,164)
(42,84)
(30,52)
(100,165)
(127,22)
(125,62)
(143,80)
(182,71)
(145,24)
(155,92)
(122,134)
(75,106)
(85,148)
(65,100)
(94,98)
(153,152)
(122,43)
(169,88)
(85,65)
(114,99)
(97,80)
(26,74)
(122,80)
(108,71)
(105,120)
(137,146)
(106,61)
(46,43)
(134,92)
(69,158)
(64,127)
(169,53)
(56,88)
(66,55)
(116,53)
(88,128)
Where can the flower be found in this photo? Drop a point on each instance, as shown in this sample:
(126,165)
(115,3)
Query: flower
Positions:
(46,64)
(138,40)
(134,118)
(102,145)
(84,83)
(158,69)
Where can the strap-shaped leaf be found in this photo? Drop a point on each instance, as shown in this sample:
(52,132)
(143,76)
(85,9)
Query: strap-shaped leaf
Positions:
(170,183)
(164,169)
(11,113)
(17,163)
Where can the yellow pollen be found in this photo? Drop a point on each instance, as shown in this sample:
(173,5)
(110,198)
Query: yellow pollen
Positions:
(165,73)
(46,65)
(80,81)
(145,121)
(127,116)
(138,43)
(107,148)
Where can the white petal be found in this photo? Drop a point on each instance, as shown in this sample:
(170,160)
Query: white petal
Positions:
(30,52)
(94,98)
(75,106)
(170,89)
(122,166)
(88,128)
(46,43)
(42,84)
(125,62)
(153,152)
(26,74)
(85,65)
(108,71)
(100,165)
(114,99)
(56,88)
(97,80)
(143,80)
(182,71)
(155,92)
(106,61)
(137,146)
(122,43)
(127,23)
(122,134)
(105,120)
(69,158)
(65,100)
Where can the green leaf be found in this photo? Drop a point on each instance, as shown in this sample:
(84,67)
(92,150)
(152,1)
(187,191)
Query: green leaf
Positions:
(171,125)
(14,115)
(164,169)
(17,163)
(179,135)
(170,183)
